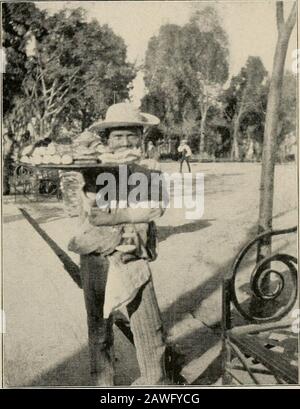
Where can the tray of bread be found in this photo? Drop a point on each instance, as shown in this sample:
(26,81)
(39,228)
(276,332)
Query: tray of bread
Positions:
(85,151)
(71,166)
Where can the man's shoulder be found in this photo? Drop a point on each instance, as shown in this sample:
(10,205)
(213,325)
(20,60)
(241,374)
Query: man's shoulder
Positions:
(187,148)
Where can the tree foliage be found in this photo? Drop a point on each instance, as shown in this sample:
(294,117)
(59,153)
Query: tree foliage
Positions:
(72,72)
(288,106)
(245,100)
(245,104)
(18,19)
(61,70)
(182,65)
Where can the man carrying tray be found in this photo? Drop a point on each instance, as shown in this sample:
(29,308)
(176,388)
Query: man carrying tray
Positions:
(115,245)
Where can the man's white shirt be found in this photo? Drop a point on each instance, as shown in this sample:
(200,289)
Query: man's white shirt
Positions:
(186,148)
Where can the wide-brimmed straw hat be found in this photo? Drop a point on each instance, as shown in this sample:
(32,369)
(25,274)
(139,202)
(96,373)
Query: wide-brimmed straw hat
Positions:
(124,114)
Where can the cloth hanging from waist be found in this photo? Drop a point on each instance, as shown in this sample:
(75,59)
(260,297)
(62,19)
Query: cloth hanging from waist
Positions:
(123,282)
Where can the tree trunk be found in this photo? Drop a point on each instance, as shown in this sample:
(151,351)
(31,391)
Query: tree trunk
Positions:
(40,128)
(249,153)
(6,172)
(271,127)
(235,152)
(44,127)
(202,133)
(7,162)
(84,120)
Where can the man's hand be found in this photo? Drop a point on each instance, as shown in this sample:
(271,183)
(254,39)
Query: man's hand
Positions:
(88,200)
(141,215)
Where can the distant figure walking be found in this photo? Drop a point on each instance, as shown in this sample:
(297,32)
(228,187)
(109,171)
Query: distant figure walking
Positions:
(185,152)
(151,151)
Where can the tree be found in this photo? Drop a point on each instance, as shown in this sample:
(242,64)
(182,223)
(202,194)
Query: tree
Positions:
(18,19)
(251,135)
(58,81)
(288,107)
(245,95)
(209,93)
(163,75)
(284,29)
(66,82)
(184,69)
(209,57)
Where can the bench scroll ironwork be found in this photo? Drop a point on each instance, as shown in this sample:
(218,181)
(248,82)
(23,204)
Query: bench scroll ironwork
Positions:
(256,329)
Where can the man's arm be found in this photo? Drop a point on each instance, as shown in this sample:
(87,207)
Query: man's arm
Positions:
(115,216)
(188,151)
(98,217)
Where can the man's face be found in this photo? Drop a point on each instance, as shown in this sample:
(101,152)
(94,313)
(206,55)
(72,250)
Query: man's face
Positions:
(122,139)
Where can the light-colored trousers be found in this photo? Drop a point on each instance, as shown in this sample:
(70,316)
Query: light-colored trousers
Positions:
(145,324)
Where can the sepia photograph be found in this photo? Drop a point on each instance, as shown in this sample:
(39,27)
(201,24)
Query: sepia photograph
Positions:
(149,202)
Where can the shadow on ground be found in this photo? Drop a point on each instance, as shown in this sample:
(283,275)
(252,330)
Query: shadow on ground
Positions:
(42,213)
(69,265)
(165,232)
(73,371)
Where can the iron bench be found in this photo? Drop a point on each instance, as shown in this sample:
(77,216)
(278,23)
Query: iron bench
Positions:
(259,341)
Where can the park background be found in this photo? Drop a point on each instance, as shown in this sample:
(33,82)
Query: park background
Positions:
(206,73)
